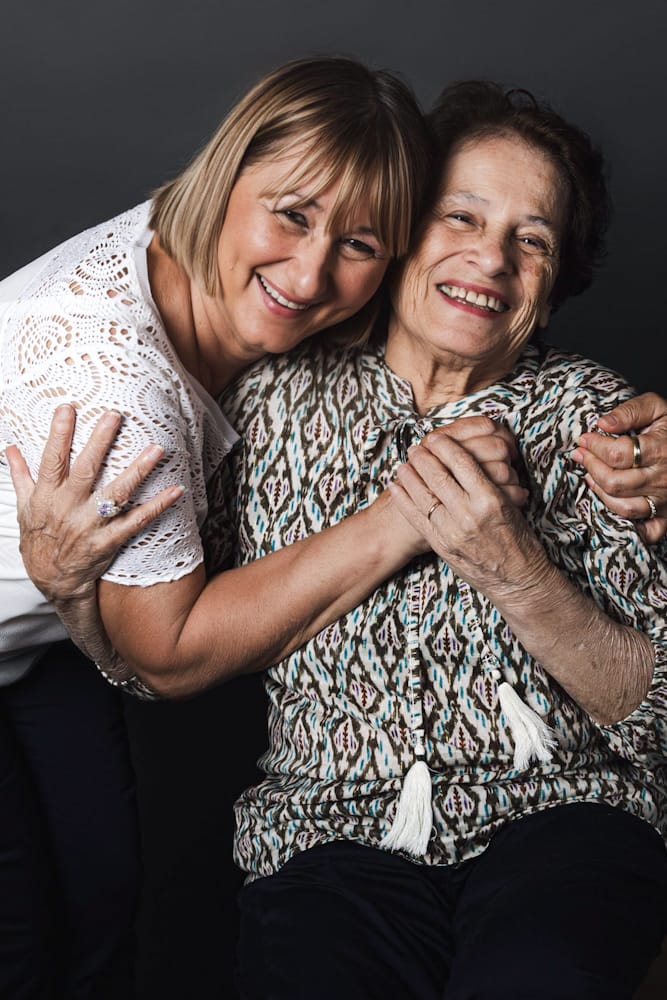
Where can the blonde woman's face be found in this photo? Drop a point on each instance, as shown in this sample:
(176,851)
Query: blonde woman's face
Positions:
(285,272)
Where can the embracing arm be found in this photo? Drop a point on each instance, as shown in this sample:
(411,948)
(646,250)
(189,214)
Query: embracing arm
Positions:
(605,666)
(609,462)
(183,636)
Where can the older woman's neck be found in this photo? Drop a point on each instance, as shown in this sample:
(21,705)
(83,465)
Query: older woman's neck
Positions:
(437,379)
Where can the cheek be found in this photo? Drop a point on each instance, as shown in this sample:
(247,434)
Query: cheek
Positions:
(539,282)
(360,286)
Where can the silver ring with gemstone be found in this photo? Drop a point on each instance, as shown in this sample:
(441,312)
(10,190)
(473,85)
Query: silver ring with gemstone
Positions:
(106,507)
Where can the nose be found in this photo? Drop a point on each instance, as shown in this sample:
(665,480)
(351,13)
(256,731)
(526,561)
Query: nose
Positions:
(311,268)
(493,253)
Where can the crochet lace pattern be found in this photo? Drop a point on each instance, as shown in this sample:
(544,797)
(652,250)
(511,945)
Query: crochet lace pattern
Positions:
(86,331)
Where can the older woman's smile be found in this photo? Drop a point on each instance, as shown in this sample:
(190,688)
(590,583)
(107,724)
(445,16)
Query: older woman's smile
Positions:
(480,279)
(480,301)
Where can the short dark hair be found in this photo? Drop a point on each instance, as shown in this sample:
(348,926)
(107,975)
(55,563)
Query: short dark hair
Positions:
(476,109)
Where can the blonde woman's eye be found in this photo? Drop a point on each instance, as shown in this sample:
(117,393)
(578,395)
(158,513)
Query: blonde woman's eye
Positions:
(298,218)
(352,247)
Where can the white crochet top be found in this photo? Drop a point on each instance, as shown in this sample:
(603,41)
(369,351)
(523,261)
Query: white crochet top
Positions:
(79,325)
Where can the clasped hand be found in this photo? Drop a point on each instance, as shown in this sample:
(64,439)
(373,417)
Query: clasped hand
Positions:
(462,492)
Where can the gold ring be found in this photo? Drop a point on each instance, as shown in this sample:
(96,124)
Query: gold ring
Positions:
(434,506)
(652,507)
(636,450)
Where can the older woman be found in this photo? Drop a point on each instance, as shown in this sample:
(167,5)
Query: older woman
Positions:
(452,718)
(464,790)
(283,225)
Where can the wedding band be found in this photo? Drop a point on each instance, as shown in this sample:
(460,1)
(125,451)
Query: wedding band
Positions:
(434,505)
(652,507)
(106,507)
(636,450)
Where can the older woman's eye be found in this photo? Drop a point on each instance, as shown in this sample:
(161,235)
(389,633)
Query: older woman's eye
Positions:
(534,244)
(462,217)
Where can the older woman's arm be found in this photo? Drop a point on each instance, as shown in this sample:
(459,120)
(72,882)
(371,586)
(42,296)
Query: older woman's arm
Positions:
(605,666)
(609,462)
(182,636)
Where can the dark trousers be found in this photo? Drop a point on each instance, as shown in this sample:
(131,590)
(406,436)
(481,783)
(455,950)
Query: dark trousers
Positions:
(570,903)
(68,836)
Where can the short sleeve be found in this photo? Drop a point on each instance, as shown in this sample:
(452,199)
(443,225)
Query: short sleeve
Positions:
(156,410)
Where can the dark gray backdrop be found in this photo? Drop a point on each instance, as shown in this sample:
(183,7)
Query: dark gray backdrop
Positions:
(103,100)
(99,102)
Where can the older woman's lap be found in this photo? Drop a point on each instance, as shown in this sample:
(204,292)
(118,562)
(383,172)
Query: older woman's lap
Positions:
(568,903)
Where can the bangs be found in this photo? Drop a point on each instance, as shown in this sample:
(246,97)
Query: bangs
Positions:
(370,182)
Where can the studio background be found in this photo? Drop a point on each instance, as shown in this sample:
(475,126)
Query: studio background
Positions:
(101,102)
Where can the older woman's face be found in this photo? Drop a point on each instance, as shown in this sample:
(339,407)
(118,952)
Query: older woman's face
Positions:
(481,276)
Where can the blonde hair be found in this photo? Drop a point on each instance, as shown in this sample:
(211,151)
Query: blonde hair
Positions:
(352,124)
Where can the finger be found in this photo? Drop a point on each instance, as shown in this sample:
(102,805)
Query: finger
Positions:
(416,489)
(88,464)
(122,488)
(619,481)
(617,453)
(500,473)
(517,495)
(444,458)
(634,414)
(478,432)
(54,464)
(635,508)
(124,526)
(491,448)
(654,530)
(20,473)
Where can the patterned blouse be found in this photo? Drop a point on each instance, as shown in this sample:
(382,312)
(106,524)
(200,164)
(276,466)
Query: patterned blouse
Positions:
(324,433)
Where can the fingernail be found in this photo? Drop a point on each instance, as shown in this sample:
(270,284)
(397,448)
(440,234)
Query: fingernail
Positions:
(609,418)
(154,451)
(577,455)
(111,418)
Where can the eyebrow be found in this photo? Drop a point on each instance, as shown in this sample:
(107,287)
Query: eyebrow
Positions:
(539,220)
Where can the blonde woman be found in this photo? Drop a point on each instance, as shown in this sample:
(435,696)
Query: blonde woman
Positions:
(282,226)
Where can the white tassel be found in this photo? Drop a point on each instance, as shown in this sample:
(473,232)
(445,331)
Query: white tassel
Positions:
(411,829)
(532,737)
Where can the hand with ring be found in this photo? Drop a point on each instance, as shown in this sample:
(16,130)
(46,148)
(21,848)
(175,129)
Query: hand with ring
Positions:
(472,523)
(628,472)
(69,536)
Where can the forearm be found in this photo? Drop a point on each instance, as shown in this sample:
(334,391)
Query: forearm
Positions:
(605,666)
(248,618)
(81,617)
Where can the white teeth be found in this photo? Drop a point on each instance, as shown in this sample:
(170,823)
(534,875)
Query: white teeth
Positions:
(280,298)
(474,298)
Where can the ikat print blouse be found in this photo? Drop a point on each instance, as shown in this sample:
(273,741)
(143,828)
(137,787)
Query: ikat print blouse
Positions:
(323,434)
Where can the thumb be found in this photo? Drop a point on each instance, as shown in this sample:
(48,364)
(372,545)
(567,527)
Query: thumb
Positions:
(634,414)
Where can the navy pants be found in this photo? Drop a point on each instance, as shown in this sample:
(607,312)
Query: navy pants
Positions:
(567,904)
(69,868)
